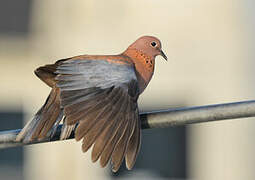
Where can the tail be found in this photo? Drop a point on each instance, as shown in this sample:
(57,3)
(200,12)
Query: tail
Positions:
(45,121)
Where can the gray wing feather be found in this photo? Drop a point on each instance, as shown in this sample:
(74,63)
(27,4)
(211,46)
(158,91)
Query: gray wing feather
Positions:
(82,74)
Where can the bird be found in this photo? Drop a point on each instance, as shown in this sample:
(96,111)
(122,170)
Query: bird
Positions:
(96,97)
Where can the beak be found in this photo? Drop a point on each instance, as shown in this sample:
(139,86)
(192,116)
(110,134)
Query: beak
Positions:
(163,55)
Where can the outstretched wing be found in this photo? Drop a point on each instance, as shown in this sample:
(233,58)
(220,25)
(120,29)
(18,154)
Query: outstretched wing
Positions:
(101,96)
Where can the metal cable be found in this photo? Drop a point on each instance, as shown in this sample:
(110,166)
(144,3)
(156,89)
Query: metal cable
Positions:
(163,119)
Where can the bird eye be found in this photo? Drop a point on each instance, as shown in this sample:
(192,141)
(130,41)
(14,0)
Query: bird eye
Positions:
(153,44)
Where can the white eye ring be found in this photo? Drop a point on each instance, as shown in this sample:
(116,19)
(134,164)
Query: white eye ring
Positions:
(153,44)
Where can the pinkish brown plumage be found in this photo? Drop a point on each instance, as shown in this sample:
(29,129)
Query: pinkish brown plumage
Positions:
(98,94)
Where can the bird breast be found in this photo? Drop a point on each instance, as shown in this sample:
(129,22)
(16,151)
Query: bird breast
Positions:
(144,66)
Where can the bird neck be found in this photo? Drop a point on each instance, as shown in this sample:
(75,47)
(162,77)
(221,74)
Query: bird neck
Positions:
(144,66)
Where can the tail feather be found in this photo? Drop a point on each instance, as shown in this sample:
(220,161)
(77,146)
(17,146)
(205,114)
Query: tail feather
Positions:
(26,133)
(45,120)
(66,130)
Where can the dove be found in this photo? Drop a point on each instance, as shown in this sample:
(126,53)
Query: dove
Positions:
(96,96)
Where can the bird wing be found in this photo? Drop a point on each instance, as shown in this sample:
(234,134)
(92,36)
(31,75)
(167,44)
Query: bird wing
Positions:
(101,96)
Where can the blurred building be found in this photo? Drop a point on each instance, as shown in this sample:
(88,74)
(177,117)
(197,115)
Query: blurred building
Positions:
(211,58)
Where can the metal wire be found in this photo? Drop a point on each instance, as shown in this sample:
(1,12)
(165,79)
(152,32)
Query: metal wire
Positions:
(163,119)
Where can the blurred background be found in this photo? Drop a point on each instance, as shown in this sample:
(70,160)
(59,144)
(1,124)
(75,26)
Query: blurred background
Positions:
(210,46)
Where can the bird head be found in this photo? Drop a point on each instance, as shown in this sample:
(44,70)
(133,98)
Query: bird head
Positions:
(149,45)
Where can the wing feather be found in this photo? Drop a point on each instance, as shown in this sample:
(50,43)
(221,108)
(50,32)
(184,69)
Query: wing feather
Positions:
(133,144)
(106,155)
(101,122)
(93,114)
(120,148)
(109,132)
(101,96)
